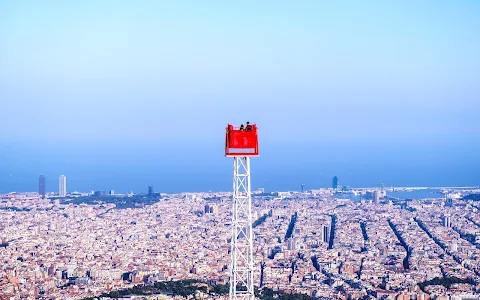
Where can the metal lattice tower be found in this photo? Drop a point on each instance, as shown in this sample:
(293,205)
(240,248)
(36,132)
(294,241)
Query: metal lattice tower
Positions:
(241,254)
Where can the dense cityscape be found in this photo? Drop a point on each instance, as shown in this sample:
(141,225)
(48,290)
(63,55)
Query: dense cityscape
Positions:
(236,150)
(330,243)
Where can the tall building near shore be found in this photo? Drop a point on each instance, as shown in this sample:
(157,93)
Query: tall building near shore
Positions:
(41,186)
(448,200)
(150,190)
(62,186)
(335,182)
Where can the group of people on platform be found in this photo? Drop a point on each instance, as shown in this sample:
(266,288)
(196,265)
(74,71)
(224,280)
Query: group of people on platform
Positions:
(248,127)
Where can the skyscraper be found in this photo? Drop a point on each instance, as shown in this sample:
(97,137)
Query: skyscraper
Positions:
(41,186)
(62,186)
(150,190)
(325,234)
(335,182)
(448,200)
(447,221)
(376,196)
(211,209)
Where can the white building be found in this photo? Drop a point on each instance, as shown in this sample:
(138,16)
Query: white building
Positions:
(62,186)
(454,247)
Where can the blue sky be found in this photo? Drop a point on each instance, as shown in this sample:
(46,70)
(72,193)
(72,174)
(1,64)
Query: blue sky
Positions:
(80,82)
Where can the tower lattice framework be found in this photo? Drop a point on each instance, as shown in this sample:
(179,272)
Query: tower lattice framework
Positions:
(241,266)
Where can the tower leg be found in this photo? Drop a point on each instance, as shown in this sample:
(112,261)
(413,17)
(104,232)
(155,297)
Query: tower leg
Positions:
(241,260)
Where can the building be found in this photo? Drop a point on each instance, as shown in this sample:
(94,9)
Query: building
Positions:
(448,202)
(62,186)
(150,190)
(376,196)
(291,244)
(211,209)
(447,222)
(112,192)
(41,186)
(454,247)
(325,234)
(335,182)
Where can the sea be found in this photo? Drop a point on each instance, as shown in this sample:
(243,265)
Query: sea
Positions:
(418,194)
(133,166)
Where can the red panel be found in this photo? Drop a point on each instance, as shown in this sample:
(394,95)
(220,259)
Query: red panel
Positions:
(249,139)
(235,139)
(241,142)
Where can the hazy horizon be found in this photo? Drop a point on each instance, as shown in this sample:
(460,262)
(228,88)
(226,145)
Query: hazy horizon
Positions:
(132,166)
(119,95)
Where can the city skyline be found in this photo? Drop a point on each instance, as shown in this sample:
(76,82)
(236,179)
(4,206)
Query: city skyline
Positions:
(292,187)
(150,188)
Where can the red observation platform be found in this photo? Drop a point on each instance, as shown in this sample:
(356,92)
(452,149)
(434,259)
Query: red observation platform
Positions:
(241,141)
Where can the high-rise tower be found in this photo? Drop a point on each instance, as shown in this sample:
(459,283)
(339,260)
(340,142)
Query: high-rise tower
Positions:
(447,221)
(376,196)
(335,182)
(41,186)
(325,234)
(62,186)
(150,190)
(241,143)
